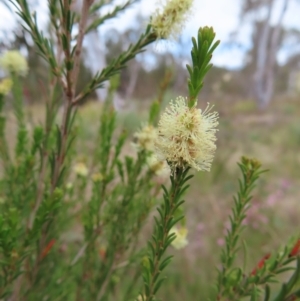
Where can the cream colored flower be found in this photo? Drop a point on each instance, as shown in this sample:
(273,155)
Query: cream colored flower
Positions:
(168,21)
(141,298)
(81,169)
(5,86)
(180,241)
(69,186)
(97,177)
(13,62)
(158,167)
(187,136)
(145,138)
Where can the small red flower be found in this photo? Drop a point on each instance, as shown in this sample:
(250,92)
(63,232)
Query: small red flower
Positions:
(296,249)
(261,263)
(47,248)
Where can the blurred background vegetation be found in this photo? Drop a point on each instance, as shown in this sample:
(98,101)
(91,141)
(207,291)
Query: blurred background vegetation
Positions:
(259,107)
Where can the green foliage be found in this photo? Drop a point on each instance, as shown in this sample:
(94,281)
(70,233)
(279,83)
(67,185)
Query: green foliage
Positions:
(234,283)
(100,20)
(118,64)
(201,54)
(162,237)
(71,227)
(114,200)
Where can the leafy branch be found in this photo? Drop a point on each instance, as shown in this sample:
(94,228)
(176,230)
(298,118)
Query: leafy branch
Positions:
(233,283)
(44,44)
(161,239)
(118,64)
(201,54)
(250,173)
(117,9)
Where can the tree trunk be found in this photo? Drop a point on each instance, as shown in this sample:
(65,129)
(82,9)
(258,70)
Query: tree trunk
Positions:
(271,62)
(262,57)
(269,43)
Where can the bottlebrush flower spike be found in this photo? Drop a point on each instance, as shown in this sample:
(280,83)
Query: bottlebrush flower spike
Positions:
(81,169)
(14,62)
(5,86)
(186,136)
(180,241)
(158,167)
(145,138)
(169,21)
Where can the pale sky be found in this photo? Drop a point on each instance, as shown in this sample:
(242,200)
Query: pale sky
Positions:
(222,15)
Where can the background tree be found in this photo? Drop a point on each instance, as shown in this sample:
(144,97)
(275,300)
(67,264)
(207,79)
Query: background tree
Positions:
(267,39)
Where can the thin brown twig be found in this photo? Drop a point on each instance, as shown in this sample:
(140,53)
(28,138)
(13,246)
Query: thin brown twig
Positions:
(69,88)
(67,52)
(71,79)
(82,25)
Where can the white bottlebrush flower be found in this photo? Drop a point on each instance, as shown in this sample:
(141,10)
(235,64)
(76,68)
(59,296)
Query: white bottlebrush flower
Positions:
(5,86)
(180,241)
(81,169)
(14,62)
(158,167)
(169,20)
(145,138)
(186,136)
